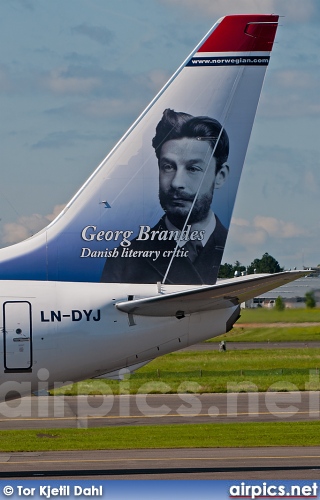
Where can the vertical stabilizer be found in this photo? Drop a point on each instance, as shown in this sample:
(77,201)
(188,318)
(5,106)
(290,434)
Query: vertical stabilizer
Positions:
(158,208)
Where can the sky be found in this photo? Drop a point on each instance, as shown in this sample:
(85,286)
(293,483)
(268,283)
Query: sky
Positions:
(75,74)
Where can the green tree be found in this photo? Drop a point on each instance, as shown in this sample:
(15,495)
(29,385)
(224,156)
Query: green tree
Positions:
(310,300)
(226,271)
(267,264)
(279,304)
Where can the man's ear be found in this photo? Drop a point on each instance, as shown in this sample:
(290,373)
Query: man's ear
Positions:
(221,176)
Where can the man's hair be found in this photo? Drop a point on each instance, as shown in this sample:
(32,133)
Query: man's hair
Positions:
(176,125)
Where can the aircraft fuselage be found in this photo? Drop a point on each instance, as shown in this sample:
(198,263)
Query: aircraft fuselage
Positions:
(56,333)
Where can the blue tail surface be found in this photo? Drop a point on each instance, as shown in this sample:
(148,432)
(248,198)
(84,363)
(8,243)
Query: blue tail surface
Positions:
(158,208)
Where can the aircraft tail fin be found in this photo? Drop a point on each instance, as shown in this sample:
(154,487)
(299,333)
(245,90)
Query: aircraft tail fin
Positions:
(158,208)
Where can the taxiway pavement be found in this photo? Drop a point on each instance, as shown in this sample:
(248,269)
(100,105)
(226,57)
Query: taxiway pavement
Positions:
(209,463)
(47,412)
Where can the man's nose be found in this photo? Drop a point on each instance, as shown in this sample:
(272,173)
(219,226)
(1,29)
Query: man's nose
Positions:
(179,179)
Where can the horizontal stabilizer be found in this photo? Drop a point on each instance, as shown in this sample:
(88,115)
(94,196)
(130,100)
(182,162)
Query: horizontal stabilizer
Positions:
(206,298)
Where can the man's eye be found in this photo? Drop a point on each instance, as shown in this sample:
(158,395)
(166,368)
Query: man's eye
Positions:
(194,169)
(167,167)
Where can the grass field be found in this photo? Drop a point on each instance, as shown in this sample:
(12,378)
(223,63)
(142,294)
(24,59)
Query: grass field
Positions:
(164,436)
(290,317)
(213,371)
(271,334)
(263,315)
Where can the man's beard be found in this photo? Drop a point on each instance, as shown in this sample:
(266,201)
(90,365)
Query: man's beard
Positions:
(178,214)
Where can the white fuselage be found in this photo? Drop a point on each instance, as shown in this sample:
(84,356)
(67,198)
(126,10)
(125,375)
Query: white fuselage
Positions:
(56,332)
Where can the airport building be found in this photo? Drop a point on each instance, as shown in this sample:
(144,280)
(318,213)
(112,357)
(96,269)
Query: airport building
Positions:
(293,294)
